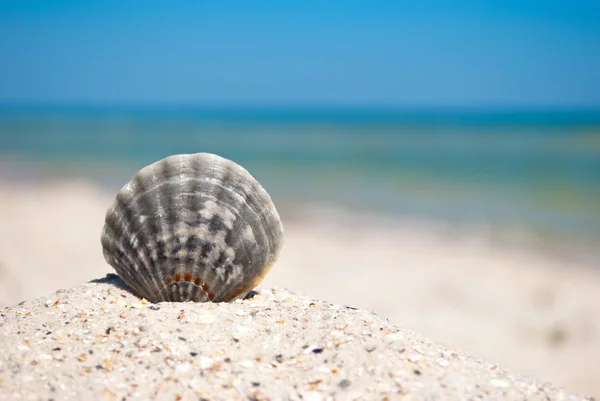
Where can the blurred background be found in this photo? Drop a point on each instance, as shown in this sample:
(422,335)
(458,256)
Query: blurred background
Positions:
(436,163)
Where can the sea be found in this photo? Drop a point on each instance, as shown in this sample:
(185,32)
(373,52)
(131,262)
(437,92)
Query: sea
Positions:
(513,172)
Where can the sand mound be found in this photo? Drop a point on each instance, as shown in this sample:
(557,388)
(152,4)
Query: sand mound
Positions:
(98,341)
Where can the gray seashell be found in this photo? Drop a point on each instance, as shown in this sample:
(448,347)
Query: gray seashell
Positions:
(193,227)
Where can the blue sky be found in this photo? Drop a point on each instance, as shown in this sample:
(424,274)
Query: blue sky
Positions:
(368,53)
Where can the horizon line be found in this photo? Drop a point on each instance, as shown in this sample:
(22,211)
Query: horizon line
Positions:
(298,106)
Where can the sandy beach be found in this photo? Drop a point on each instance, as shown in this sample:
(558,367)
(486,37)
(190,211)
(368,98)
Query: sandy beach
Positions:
(530,312)
(99,341)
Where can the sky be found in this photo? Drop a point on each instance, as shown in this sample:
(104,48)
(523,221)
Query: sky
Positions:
(427,53)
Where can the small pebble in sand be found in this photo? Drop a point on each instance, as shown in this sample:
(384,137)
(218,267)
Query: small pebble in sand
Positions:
(205,362)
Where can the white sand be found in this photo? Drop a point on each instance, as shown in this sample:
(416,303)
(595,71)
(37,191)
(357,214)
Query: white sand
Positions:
(530,313)
(98,341)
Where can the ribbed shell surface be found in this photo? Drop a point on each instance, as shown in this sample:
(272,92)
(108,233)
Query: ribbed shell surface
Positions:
(193,227)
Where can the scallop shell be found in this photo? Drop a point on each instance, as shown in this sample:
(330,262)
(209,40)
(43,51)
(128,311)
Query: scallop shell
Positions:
(192,227)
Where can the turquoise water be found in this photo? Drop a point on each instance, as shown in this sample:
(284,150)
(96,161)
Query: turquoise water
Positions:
(537,170)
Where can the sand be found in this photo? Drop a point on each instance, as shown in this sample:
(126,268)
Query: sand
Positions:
(98,341)
(530,312)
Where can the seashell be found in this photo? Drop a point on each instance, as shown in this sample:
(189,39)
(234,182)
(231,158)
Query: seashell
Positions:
(192,227)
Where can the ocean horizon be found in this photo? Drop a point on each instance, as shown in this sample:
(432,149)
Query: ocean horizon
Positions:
(533,169)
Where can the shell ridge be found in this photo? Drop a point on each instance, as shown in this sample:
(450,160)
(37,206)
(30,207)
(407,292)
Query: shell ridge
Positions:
(172,291)
(140,227)
(259,196)
(122,222)
(124,273)
(181,291)
(168,182)
(194,292)
(161,237)
(145,183)
(125,249)
(198,247)
(197,201)
(247,199)
(117,220)
(180,213)
(224,175)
